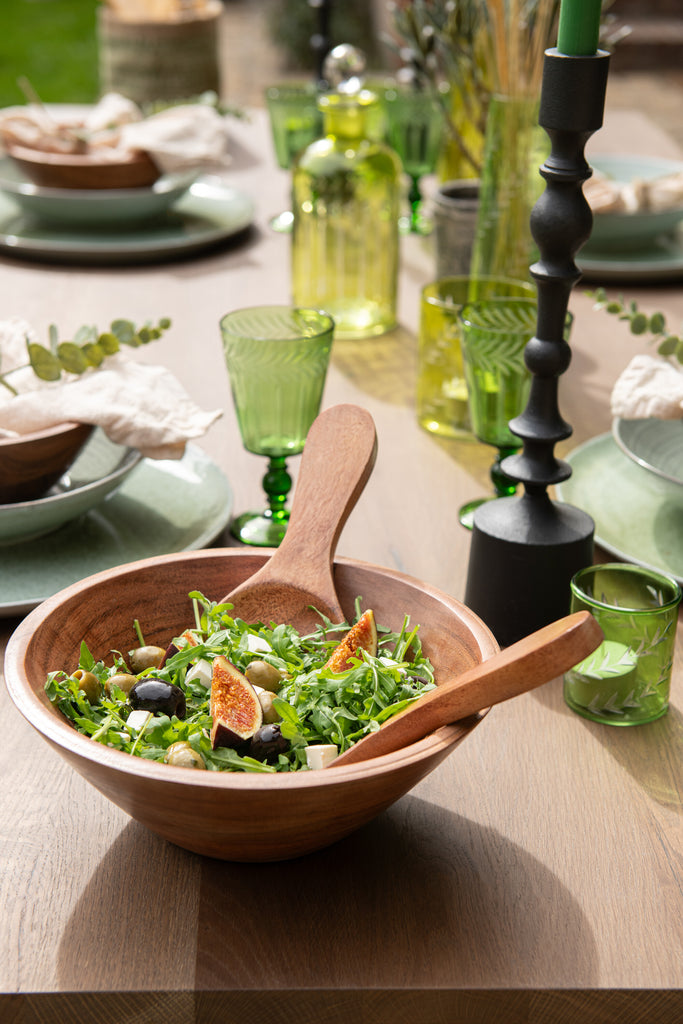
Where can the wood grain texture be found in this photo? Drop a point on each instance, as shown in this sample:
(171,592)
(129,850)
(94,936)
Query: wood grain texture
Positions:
(533,877)
(31,464)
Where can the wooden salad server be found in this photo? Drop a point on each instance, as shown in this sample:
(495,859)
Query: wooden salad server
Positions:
(337,461)
(526,664)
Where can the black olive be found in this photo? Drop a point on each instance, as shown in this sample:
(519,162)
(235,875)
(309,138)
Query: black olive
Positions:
(157,695)
(267,742)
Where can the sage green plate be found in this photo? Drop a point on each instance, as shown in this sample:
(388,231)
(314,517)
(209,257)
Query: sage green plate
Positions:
(161,507)
(636,518)
(208,213)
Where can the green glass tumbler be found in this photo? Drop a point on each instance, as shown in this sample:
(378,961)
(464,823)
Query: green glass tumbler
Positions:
(441,396)
(495,333)
(277,359)
(626,680)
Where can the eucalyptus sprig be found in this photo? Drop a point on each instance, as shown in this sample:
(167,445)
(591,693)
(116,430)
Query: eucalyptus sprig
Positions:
(88,349)
(668,343)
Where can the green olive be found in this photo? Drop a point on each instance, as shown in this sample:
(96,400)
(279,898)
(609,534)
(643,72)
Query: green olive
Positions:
(124,681)
(265,699)
(89,684)
(182,755)
(265,675)
(145,657)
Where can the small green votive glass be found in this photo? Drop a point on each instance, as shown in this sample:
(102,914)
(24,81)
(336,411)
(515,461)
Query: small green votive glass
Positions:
(626,680)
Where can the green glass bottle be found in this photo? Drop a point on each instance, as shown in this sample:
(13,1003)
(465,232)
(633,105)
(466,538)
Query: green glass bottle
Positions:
(346,198)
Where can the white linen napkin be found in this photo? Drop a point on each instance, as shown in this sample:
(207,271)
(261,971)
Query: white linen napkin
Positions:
(136,404)
(649,387)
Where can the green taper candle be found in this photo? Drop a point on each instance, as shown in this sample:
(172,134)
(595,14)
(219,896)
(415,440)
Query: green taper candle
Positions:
(579,27)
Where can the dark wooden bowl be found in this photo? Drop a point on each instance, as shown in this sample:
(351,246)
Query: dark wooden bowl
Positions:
(84,171)
(232,816)
(32,463)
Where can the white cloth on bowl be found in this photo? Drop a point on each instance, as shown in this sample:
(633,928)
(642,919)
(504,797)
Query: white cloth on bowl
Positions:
(649,387)
(190,136)
(181,138)
(136,404)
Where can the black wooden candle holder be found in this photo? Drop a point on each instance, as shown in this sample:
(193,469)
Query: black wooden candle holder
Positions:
(525,549)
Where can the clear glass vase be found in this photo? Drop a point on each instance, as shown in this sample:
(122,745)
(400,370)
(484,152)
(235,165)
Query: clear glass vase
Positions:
(515,147)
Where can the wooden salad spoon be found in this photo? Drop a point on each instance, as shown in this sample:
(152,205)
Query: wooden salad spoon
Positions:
(337,461)
(524,665)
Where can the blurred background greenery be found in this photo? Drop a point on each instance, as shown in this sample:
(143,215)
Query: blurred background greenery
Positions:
(53,44)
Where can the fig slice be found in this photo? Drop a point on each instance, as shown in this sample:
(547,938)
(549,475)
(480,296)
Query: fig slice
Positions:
(234,706)
(363,635)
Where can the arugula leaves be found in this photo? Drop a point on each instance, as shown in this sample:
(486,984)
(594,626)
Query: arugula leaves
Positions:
(315,704)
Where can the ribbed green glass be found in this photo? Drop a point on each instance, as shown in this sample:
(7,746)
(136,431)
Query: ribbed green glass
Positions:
(277,359)
(346,196)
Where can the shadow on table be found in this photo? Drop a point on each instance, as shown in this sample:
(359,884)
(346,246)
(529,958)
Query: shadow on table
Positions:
(487,914)
(384,367)
(652,754)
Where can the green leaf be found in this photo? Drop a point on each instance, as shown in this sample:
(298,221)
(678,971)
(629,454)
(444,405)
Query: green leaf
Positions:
(71,357)
(638,323)
(669,345)
(657,323)
(85,334)
(45,364)
(124,330)
(94,354)
(109,343)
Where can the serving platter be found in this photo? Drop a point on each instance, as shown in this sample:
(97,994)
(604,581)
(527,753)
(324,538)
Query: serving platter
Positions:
(634,520)
(209,212)
(161,507)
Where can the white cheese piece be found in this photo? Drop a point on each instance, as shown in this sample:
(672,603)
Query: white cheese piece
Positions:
(200,673)
(257,643)
(138,720)
(320,755)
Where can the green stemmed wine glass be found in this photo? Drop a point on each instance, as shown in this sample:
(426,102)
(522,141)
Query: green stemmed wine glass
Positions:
(494,335)
(277,359)
(295,122)
(414,129)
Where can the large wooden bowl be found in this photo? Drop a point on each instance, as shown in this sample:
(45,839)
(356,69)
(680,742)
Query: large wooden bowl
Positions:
(32,463)
(232,816)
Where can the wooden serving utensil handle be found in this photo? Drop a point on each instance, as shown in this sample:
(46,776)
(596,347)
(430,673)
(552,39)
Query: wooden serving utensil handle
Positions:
(524,665)
(338,458)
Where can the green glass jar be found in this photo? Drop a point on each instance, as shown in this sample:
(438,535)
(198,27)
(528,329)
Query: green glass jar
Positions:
(346,198)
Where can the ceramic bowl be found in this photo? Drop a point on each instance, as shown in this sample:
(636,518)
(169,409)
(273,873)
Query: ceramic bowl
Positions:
(657,447)
(232,816)
(98,468)
(620,231)
(92,207)
(30,464)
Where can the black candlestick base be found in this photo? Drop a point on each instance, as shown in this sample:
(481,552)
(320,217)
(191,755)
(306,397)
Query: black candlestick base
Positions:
(524,553)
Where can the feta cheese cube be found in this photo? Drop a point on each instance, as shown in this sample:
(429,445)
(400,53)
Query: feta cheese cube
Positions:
(319,755)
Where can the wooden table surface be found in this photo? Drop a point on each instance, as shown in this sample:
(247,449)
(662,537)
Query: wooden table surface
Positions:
(534,877)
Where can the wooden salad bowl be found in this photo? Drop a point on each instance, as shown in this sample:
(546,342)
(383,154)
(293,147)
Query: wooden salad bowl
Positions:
(85,170)
(231,815)
(32,463)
